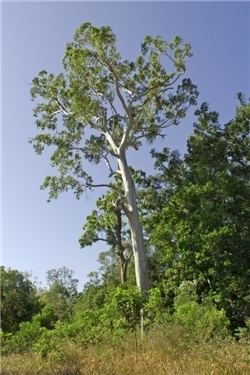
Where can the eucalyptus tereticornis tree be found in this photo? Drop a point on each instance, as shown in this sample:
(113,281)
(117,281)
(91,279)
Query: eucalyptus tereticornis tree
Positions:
(101,106)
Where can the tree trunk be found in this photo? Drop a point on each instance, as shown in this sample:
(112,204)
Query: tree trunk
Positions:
(131,211)
(124,266)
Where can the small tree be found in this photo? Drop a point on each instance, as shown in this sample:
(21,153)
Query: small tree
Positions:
(102,106)
(107,224)
(62,291)
(19,301)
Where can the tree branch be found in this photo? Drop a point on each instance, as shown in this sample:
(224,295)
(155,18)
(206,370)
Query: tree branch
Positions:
(111,142)
(101,239)
(117,87)
(113,109)
(129,257)
(99,185)
(108,163)
(94,126)
(61,107)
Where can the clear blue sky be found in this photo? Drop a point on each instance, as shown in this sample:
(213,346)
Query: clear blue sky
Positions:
(38,236)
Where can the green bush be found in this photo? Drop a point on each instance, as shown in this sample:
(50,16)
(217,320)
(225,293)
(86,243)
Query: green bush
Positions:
(51,340)
(47,317)
(203,320)
(155,308)
(19,301)
(243,333)
(24,339)
(123,309)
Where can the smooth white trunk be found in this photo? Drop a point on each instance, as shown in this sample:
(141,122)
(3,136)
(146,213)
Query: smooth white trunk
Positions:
(141,269)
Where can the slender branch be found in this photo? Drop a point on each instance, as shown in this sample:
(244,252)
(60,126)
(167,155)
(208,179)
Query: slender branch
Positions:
(55,113)
(108,163)
(146,135)
(123,103)
(75,148)
(166,124)
(101,239)
(168,87)
(125,136)
(62,108)
(129,257)
(94,126)
(111,142)
(117,87)
(131,122)
(113,109)
(99,185)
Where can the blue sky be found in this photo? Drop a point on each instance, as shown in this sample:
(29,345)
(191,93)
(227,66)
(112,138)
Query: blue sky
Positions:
(38,236)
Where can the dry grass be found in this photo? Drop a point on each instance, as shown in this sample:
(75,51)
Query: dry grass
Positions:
(161,353)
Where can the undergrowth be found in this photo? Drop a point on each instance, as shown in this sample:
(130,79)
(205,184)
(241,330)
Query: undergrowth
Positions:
(169,350)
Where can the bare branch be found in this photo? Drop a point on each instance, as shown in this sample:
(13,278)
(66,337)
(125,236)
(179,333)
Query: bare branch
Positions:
(62,108)
(147,135)
(98,185)
(55,113)
(95,126)
(123,103)
(101,239)
(129,257)
(111,142)
(172,82)
(113,109)
(108,163)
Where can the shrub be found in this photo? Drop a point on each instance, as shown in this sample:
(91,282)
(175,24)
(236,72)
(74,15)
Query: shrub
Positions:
(123,310)
(203,320)
(47,317)
(155,308)
(24,339)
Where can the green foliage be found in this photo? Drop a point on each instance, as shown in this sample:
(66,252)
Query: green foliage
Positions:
(124,308)
(61,294)
(62,278)
(85,97)
(22,340)
(156,310)
(109,309)
(202,320)
(198,225)
(202,232)
(19,301)
(93,296)
(107,223)
(101,106)
(47,317)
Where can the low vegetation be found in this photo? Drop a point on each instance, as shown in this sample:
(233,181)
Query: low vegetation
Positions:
(169,350)
(103,336)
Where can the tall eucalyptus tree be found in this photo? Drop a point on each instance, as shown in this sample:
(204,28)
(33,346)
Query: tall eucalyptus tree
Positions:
(103,105)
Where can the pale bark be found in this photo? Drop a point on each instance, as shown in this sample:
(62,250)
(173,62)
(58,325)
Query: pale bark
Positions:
(130,206)
(124,267)
(131,210)
(120,247)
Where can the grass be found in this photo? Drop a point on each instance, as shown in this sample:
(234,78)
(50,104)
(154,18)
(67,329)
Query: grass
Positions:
(167,351)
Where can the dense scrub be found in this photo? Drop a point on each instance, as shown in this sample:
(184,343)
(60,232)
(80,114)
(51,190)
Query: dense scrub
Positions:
(103,337)
(169,350)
